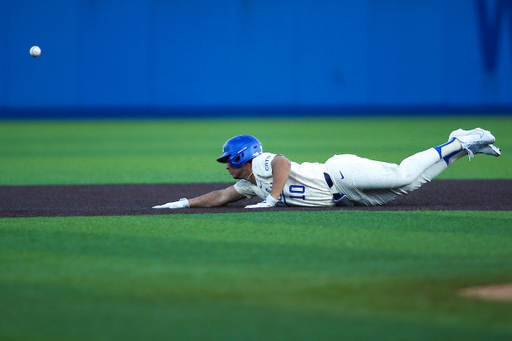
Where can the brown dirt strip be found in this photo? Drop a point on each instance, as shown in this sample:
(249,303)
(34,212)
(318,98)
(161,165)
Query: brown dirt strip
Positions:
(137,199)
(500,292)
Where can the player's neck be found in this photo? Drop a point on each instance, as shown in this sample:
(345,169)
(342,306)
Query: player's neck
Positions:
(251,178)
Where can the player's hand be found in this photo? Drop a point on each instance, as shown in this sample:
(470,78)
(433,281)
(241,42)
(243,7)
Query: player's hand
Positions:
(269,202)
(182,203)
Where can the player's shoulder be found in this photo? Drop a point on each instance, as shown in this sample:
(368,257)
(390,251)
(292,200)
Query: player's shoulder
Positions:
(262,164)
(264,156)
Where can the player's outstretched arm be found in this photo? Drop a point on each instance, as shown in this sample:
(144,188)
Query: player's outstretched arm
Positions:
(212,199)
(217,198)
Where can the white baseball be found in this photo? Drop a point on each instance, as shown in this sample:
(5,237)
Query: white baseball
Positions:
(35,51)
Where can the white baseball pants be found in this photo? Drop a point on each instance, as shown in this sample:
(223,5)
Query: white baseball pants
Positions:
(369,182)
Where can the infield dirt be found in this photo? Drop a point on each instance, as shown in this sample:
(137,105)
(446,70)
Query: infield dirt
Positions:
(138,199)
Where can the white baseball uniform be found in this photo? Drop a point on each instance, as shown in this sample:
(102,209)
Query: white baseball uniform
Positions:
(306,185)
(363,181)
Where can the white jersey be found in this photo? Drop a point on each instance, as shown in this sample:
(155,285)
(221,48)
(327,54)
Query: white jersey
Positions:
(306,184)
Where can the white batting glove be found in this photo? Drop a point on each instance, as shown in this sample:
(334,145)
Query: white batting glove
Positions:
(182,203)
(269,202)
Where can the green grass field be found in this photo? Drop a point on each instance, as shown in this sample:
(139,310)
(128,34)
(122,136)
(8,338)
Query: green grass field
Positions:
(185,151)
(334,275)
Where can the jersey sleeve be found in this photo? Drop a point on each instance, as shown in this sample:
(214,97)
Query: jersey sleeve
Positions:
(244,187)
(262,165)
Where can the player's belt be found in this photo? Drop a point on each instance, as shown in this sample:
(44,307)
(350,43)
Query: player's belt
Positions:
(339,199)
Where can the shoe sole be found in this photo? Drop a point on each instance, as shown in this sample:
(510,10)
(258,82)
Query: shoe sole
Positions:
(488,150)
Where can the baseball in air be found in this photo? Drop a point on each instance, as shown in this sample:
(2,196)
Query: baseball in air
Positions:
(35,51)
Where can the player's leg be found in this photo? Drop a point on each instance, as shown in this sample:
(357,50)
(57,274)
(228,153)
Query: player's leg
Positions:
(433,171)
(482,145)
(370,182)
(383,196)
(382,175)
(370,174)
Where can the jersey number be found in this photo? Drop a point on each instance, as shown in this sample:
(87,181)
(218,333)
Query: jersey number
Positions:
(295,189)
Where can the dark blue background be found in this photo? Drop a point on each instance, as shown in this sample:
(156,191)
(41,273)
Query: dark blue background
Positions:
(188,58)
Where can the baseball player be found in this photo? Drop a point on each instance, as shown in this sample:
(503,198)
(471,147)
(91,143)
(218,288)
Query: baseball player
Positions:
(344,180)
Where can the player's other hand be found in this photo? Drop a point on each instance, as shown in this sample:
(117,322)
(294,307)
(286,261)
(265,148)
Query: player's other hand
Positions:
(269,202)
(182,203)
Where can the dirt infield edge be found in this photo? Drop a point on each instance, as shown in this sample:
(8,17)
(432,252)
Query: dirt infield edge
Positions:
(137,199)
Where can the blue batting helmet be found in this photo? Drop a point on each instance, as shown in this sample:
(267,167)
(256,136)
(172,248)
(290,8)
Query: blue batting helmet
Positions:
(240,149)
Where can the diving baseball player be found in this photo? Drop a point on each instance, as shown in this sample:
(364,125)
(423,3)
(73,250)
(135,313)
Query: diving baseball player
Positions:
(343,180)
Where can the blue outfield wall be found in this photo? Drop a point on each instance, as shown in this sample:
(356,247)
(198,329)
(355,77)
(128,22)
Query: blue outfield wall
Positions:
(196,58)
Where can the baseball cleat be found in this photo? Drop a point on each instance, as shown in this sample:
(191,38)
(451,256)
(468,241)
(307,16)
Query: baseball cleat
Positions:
(489,149)
(476,141)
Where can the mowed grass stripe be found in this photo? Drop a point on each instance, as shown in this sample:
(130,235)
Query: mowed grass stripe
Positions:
(400,267)
(99,152)
(320,228)
(64,314)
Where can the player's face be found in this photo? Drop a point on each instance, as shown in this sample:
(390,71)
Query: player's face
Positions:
(239,172)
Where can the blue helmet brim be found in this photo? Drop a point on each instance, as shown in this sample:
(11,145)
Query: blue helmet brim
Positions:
(224,158)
